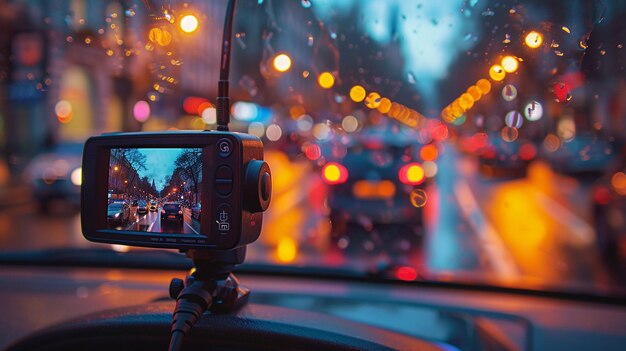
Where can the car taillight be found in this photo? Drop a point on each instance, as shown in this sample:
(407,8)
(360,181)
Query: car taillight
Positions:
(334,173)
(412,174)
(601,195)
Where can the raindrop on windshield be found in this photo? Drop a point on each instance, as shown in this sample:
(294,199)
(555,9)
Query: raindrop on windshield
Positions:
(507,38)
(130,12)
(418,198)
(582,43)
(410,78)
(310,40)
(509,92)
(306,3)
(239,39)
(513,119)
(488,12)
(600,10)
(248,84)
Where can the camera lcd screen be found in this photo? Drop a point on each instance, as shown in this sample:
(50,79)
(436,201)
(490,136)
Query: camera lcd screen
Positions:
(155,190)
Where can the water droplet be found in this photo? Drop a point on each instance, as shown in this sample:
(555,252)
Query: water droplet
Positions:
(239,39)
(507,38)
(582,43)
(600,10)
(410,78)
(569,97)
(602,52)
(566,30)
(509,92)
(488,12)
(509,134)
(306,3)
(558,53)
(513,119)
(533,111)
(249,85)
(310,39)
(130,13)
(418,198)
(343,243)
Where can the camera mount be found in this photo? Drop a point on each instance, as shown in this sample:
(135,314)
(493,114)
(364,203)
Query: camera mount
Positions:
(210,285)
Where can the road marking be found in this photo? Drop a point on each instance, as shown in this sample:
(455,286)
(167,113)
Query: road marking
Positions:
(499,256)
(582,234)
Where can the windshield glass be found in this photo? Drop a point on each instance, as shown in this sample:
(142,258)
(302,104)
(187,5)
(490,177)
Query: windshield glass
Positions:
(474,141)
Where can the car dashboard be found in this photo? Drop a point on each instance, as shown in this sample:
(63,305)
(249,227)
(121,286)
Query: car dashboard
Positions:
(351,313)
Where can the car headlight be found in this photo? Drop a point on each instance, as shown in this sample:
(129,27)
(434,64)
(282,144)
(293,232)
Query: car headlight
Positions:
(116,215)
(77,176)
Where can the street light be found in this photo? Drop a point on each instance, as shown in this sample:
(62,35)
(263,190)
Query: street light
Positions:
(188,23)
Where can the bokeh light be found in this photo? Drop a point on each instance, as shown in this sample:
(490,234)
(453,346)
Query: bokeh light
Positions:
(533,111)
(357,93)
(429,152)
(533,39)
(484,86)
(412,174)
(257,129)
(326,80)
(63,110)
(509,64)
(513,119)
(273,132)
(77,176)
(313,152)
(418,198)
(334,173)
(430,169)
(474,92)
(497,73)
(373,100)
(282,62)
(209,115)
(509,92)
(189,23)
(350,123)
(141,111)
(384,106)
(321,131)
(618,181)
(509,134)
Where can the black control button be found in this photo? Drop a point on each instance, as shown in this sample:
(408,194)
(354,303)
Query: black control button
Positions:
(223,219)
(224,180)
(225,147)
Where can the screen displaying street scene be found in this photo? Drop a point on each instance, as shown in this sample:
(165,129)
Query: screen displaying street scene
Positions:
(155,190)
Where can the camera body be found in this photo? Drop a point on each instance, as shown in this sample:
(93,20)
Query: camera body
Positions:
(180,189)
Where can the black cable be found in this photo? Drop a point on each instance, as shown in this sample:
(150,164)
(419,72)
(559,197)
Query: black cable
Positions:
(223,99)
(176,341)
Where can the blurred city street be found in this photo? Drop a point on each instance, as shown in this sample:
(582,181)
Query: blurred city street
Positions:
(536,229)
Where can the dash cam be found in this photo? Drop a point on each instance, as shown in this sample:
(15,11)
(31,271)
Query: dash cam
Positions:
(181,190)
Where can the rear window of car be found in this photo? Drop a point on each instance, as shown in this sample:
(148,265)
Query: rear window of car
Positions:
(171,207)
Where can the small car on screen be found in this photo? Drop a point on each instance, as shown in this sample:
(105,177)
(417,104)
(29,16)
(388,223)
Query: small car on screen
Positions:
(172,211)
(118,213)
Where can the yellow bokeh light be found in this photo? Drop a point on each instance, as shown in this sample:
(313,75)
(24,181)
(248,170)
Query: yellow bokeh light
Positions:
(373,100)
(497,73)
(357,93)
(533,39)
(384,106)
(287,250)
(189,23)
(332,173)
(326,80)
(484,86)
(282,62)
(474,92)
(466,101)
(415,174)
(510,64)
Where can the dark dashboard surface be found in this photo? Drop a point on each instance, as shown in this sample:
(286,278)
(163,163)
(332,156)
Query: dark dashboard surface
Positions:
(34,298)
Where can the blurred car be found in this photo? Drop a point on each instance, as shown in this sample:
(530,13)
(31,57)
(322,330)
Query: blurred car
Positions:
(56,174)
(373,184)
(609,210)
(118,213)
(504,159)
(196,210)
(153,206)
(172,211)
(142,206)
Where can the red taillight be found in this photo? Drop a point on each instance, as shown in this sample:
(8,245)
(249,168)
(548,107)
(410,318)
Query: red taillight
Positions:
(334,173)
(412,174)
(406,273)
(602,195)
(527,152)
